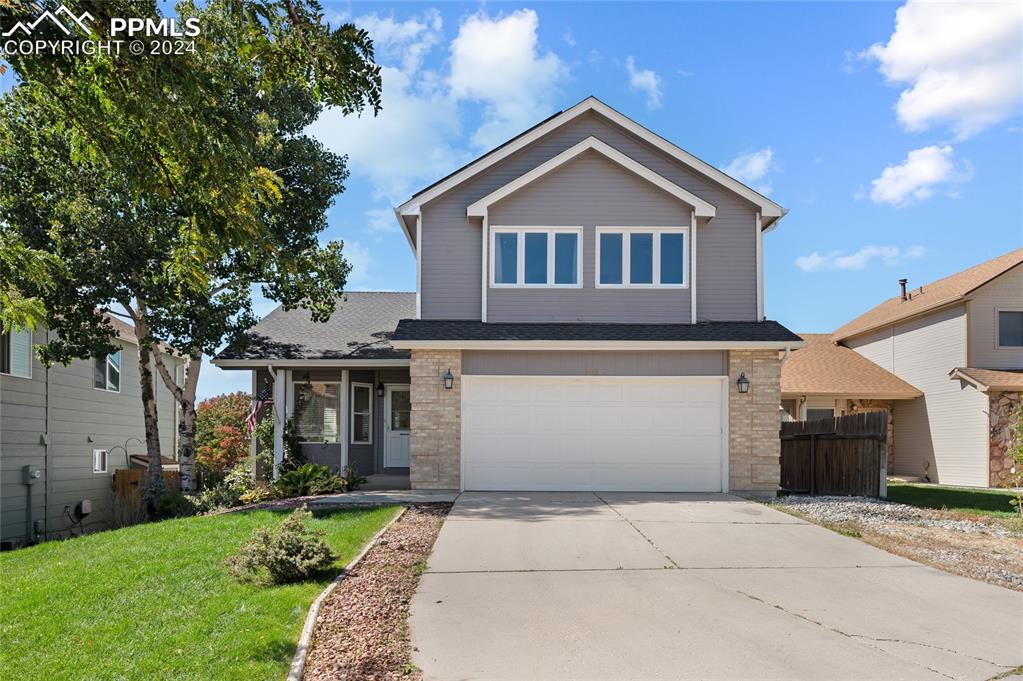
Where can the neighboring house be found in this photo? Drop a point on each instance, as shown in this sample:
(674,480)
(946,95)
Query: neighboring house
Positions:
(71,423)
(825,379)
(588,315)
(959,341)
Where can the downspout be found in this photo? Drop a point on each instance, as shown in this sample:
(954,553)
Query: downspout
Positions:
(47,483)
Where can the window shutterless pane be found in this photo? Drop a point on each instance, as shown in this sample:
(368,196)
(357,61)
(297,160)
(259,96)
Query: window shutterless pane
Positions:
(360,401)
(1010,329)
(672,259)
(99,372)
(536,258)
(114,372)
(21,353)
(316,411)
(610,258)
(641,258)
(506,246)
(566,258)
(360,428)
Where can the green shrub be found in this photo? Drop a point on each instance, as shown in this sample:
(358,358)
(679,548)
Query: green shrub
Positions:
(229,491)
(310,478)
(173,504)
(292,457)
(350,479)
(290,553)
(259,494)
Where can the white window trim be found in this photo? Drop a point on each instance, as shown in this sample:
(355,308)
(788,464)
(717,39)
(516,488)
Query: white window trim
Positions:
(31,360)
(352,413)
(998,335)
(520,259)
(106,364)
(626,265)
(340,405)
(106,461)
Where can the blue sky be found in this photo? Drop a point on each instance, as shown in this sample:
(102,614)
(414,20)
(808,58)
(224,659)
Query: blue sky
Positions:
(895,140)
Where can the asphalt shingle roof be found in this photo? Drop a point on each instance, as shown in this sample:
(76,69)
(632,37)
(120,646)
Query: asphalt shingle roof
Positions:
(360,328)
(470,330)
(825,368)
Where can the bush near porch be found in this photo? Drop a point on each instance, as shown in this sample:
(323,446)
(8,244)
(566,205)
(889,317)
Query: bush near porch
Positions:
(156,601)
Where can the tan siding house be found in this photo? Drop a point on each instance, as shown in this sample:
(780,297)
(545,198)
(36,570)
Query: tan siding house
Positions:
(55,420)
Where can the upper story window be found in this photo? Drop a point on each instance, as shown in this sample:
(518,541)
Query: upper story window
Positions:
(106,372)
(535,256)
(16,353)
(317,416)
(642,257)
(1010,328)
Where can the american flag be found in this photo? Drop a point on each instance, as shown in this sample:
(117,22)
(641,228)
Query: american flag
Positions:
(262,399)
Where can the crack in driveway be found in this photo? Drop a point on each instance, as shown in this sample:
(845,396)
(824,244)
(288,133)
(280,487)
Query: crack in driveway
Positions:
(638,531)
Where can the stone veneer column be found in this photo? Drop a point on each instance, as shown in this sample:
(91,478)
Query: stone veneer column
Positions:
(435,447)
(1000,463)
(754,420)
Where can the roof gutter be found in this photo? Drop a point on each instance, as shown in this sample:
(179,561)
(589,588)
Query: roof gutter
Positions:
(591,345)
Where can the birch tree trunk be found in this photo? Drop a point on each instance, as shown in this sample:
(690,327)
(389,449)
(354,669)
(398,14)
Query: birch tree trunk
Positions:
(185,397)
(156,485)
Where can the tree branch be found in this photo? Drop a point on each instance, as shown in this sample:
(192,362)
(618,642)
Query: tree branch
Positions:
(165,374)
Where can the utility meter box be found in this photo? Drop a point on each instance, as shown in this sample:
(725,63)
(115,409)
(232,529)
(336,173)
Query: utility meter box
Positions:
(30,474)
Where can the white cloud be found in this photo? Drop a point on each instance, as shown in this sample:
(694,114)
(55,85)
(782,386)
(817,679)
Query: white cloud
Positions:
(645,81)
(497,62)
(363,262)
(839,260)
(961,62)
(917,177)
(381,220)
(752,169)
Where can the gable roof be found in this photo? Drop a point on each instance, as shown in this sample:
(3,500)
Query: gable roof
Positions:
(825,368)
(360,329)
(985,380)
(703,209)
(770,211)
(930,296)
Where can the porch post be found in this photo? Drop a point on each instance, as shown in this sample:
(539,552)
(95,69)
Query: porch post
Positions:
(346,416)
(280,377)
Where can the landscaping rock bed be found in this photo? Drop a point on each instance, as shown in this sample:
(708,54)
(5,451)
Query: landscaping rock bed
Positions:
(980,547)
(362,630)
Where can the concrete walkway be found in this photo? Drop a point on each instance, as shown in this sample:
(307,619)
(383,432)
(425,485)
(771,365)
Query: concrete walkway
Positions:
(674,586)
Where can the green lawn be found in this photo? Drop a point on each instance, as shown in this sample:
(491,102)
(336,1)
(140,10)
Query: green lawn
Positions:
(155,601)
(977,501)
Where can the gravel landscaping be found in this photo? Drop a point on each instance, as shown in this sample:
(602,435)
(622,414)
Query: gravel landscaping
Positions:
(362,629)
(980,547)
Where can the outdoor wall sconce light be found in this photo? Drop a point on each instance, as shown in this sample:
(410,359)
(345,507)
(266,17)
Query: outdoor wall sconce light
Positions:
(449,380)
(380,389)
(743,383)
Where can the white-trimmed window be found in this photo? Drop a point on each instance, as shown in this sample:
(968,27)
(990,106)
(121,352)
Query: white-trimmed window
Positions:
(642,257)
(317,415)
(99,461)
(549,257)
(362,414)
(1009,328)
(16,353)
(106,372)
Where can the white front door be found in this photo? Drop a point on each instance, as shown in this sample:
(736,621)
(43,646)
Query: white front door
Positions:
(632,434)
(397,418)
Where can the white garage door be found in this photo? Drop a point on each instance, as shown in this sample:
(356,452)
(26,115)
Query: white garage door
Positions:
(644,434)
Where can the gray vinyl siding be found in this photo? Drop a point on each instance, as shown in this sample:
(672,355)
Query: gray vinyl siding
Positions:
(452,248)
(594,363)
(947,427)
(81,419)
(587,192)
(1005,292)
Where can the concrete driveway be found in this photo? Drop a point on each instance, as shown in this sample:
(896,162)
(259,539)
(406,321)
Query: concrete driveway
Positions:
(686,586)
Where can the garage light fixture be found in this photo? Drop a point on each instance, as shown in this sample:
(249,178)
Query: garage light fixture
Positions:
(449,380)
(743,383)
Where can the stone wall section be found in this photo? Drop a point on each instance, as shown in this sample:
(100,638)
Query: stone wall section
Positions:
(1000,463)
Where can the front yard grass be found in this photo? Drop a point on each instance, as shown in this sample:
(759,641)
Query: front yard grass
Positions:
(156,602)
(987,502)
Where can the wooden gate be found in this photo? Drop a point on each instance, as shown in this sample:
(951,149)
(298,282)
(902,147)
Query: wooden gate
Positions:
(844,456)
(129,482)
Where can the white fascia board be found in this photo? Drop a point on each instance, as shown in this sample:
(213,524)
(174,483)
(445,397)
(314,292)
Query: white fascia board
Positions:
(768,208)
(703,209)
(291,363)
(597,345)
(404,227)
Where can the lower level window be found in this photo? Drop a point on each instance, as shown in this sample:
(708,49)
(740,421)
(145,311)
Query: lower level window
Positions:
(362,413)
(99,461)
(317,411)
(817,414)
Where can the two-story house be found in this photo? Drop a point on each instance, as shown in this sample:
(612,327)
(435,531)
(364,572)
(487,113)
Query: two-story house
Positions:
(945,359)
(64,430)
(588,315)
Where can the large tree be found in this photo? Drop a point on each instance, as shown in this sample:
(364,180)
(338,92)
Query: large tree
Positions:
(165,187)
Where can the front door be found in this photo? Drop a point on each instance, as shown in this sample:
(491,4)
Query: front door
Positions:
(397,420)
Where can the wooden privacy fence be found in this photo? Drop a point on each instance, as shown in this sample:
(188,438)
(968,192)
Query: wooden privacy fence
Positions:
(844,456)
(129,482)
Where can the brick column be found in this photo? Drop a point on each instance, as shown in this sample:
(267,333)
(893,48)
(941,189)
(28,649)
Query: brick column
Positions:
(754,421)
(435,446)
